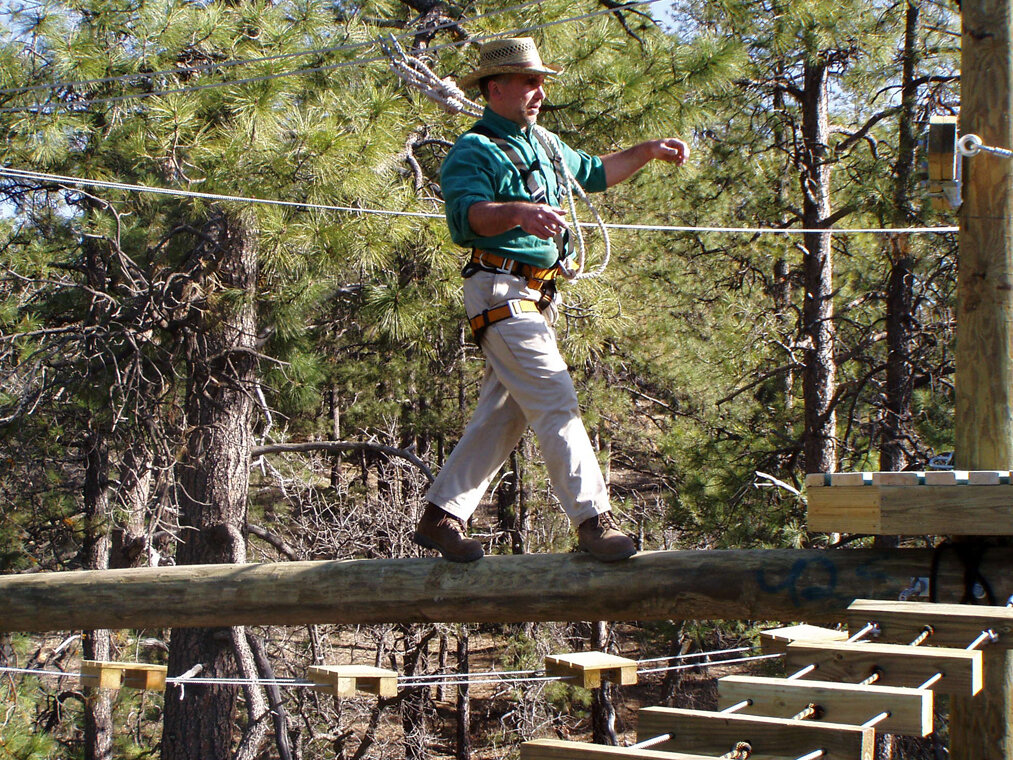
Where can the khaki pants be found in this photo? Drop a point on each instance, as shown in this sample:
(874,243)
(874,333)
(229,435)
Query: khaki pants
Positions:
(526,383)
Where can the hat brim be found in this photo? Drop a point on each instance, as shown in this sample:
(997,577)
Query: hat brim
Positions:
(472,79)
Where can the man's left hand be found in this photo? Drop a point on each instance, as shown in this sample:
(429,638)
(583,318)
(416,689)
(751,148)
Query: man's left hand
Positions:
(671,149)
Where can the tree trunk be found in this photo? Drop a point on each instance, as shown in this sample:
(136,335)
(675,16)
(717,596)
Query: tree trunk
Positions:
(336,459)
(131,542)
(214,480)
(98,713)
(894,451)
(416,704)
(463,751)
(820,377)
(603,708)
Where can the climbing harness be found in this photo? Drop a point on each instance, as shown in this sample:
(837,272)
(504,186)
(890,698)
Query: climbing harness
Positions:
(445,91)
(529,176)
(512,308)
(486,261)
(539,278)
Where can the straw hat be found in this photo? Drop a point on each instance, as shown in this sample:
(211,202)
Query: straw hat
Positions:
(510,55)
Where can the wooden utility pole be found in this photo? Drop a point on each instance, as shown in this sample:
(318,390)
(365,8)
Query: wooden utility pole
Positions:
(731,584)
(980,727)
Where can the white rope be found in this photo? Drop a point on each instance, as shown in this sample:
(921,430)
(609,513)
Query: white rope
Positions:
(36,672)
(652,742)
(417,74)
(712,664)
(224,681)
(63,179)
(450,679)
(496,673)
(82,182)
(788,230)
(567,181)
(693,655)
(469,682)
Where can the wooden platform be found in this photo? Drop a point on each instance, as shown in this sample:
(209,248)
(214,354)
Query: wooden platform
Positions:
(951,503)
(840,692)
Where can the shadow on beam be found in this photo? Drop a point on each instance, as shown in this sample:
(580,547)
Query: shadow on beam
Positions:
(782,584)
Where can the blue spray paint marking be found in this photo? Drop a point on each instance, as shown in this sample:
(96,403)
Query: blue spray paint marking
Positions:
(799,594)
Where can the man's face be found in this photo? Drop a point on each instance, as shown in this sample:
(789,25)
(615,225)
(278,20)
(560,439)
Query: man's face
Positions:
(517,97)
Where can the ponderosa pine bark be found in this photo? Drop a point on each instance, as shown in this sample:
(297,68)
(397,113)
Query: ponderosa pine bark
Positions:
(820,374)
(214,475)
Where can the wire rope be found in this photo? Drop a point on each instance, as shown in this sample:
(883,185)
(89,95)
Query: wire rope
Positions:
(24,174)
(245,61)
(41,108)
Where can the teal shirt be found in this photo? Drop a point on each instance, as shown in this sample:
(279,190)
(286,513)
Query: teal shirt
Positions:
(476,170)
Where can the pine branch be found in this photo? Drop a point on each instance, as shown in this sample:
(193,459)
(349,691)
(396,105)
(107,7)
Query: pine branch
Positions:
(341,446)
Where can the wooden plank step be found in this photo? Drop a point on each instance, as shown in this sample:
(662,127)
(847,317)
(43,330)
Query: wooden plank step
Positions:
(951,503)
(953,625)
(899,664)
(776,640)
(717,733)
(910,709)
(116,675)
(347,680)
(559,749)
(589,669)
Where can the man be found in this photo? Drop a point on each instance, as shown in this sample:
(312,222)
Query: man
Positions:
(502,194)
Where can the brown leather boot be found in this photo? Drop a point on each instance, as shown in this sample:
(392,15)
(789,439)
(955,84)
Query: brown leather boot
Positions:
(600,537)
(442,531)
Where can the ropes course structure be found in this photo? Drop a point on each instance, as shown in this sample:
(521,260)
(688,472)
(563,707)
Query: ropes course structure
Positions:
(796,716)
(190,678)
(883,677)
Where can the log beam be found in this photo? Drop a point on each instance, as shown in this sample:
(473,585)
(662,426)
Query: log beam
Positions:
(777,584)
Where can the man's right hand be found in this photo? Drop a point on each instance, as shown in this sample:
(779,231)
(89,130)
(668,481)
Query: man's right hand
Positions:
(542,220)
(488,218)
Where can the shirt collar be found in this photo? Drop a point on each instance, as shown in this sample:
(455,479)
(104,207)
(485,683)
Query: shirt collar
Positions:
(503,125)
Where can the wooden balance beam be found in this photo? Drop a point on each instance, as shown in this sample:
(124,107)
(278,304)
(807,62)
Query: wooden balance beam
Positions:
(789,585)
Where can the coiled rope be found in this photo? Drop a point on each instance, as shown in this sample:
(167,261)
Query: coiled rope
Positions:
(444,91)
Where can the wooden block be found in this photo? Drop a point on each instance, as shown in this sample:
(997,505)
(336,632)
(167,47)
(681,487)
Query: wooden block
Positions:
(346,680)
(942,147)
(717,733)
(940,478)
(987,477)
(588,669)
(150,677)
(850,479)
(897,478)
(910,709)
(557,749)
(953,510)
(954,625)
(817,479)
(116,675)
(776,640)
(899,664)
(847,509)
(101,674)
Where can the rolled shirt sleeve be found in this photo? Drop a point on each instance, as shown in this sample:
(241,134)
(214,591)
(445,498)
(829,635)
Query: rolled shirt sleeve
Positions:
(476,170)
